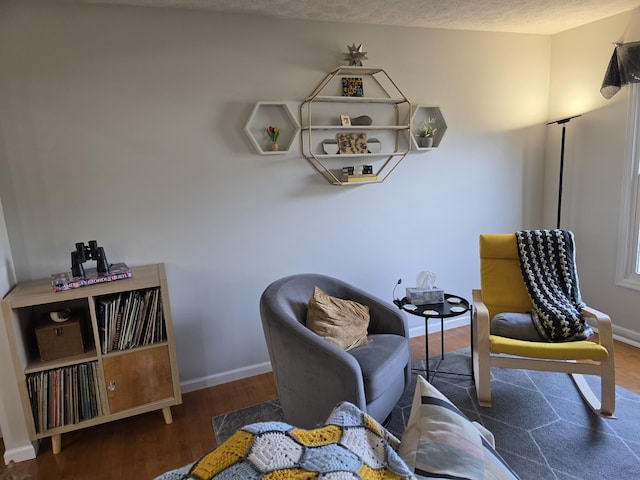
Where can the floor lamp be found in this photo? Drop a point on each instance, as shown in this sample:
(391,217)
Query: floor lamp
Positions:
(562,122)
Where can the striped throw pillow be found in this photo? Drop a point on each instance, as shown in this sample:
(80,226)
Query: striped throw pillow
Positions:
(440,442)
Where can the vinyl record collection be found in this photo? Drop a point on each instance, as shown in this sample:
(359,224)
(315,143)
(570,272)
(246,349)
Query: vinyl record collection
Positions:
(64,396)
(130,319)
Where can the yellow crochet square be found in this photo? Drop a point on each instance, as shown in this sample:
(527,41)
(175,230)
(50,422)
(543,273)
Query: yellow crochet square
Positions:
(290,474)
(232,450)
(317,437)
(368,473)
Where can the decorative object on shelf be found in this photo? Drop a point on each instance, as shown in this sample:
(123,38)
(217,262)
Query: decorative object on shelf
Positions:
(362,120)
(359,173)
(426,132)
(425,142)
(274,133)
(374,145)
(79,277)
(82,253)
(352,143)
(356,55)
(60,316)
(57,341)
(352,87)
(330,147)
(358,170)
(345,120)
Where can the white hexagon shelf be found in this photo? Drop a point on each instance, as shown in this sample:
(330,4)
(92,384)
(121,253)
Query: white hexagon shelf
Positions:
(422,114)
(276,114)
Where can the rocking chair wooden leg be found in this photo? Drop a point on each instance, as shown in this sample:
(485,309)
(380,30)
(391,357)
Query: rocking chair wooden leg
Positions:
(482,379)
(483,390)
(604,408)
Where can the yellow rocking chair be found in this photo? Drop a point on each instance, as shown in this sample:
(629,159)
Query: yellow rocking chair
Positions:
(502,289)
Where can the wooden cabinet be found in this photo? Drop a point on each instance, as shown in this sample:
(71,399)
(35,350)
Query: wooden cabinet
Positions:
(138,378)
(122,371)
(382,114)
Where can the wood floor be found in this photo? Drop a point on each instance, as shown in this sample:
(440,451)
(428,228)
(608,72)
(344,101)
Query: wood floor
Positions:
(143,447)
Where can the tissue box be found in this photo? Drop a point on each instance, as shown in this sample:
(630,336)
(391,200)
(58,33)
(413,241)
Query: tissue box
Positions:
(422,296)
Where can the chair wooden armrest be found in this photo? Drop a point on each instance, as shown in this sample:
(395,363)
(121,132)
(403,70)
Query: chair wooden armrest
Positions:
(482,320)
(603,324)
(481,349)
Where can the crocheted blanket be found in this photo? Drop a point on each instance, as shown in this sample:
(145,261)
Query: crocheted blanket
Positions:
(547,261)
(351,445)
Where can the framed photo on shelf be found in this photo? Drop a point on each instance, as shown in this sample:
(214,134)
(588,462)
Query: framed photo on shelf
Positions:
(352,87)
(354,143)
(345,120)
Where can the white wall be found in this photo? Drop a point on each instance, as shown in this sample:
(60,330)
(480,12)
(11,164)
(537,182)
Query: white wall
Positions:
(594,161)
(125,125)
(12,424)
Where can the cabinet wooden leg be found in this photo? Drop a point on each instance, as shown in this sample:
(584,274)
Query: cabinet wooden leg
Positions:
(166,413)
(56,443)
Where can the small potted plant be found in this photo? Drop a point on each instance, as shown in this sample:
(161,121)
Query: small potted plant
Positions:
(426,132)
(274,133)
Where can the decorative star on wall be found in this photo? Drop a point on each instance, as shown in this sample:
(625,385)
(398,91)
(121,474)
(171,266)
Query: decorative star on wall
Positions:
(356,55)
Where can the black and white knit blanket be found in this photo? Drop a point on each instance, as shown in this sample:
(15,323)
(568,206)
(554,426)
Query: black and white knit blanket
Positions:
(547,262)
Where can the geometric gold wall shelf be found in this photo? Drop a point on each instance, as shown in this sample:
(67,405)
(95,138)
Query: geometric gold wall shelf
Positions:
(381,116)
(277,114)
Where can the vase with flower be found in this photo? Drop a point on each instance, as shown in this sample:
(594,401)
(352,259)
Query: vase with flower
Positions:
(426,132)
(274,133)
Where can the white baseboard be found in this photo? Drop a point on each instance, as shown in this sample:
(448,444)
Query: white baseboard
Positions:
(434,326)
(21,453)
(250,371)
(626,336)
(622,334)
(225,377)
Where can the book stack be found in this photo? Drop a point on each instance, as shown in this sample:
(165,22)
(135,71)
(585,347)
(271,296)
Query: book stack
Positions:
(359,173)
(130,319)
(65,396)
(66,280)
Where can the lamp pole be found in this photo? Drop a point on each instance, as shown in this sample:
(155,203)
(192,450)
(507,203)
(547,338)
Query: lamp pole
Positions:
(562,122)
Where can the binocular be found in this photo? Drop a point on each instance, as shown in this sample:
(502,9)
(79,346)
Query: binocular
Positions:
(83,252)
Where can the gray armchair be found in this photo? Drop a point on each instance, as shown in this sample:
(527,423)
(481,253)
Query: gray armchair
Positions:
(313,375)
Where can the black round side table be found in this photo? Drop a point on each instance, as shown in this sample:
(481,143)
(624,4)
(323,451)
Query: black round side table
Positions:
(453,306)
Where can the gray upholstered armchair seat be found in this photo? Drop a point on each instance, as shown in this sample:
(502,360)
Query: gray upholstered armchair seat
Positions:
(312,374)
(376,373)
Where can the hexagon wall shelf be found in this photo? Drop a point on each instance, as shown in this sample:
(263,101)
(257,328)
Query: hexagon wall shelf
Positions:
(389,112)
(421,114)
(275,114)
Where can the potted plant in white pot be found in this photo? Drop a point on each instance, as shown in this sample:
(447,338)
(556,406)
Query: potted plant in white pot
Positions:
(426,132)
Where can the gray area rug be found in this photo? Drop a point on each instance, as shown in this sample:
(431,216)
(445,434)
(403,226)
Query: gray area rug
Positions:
(542,427)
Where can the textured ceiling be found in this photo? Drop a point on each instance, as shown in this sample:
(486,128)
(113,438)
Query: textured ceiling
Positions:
(517,16)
